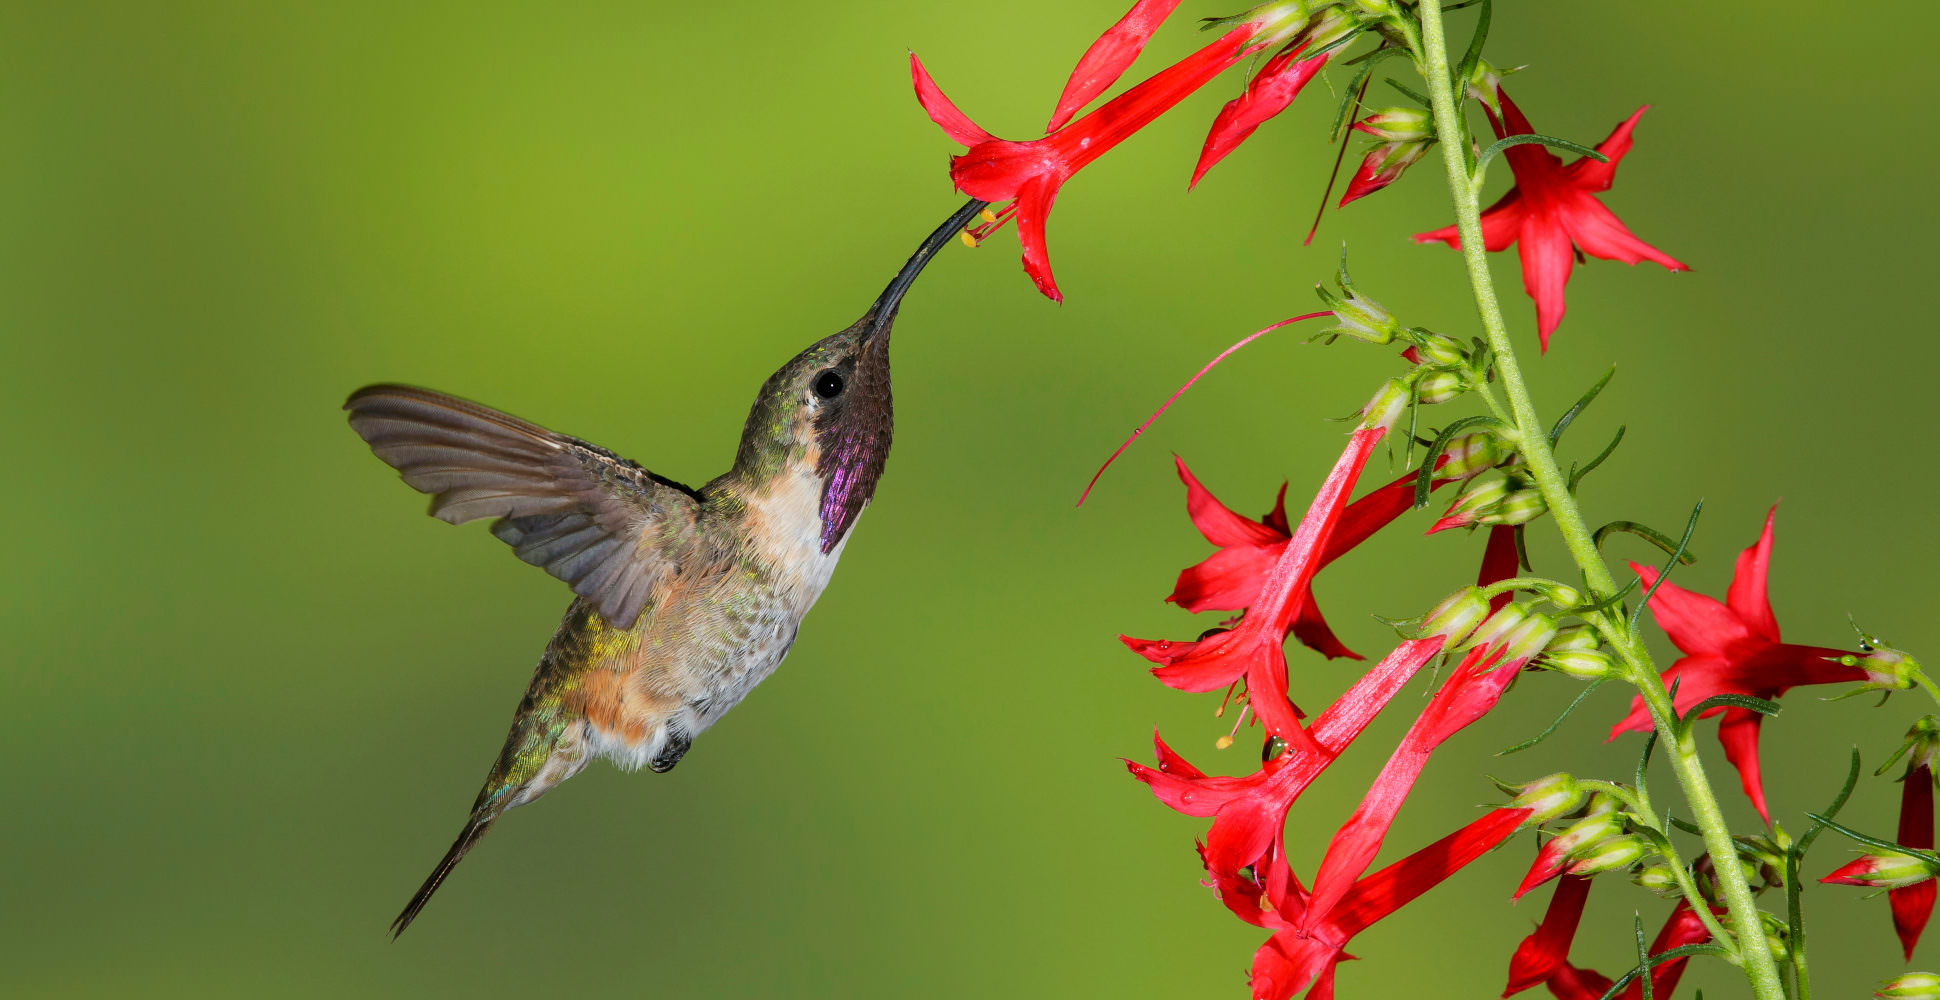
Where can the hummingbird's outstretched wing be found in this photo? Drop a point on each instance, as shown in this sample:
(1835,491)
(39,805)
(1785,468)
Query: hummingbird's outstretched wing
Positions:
(606,526)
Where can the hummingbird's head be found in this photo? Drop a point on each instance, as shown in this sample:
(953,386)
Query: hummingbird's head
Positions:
(830,405)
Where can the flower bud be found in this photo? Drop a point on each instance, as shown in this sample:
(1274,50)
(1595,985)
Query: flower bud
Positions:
(1921,748)
(1387,405)
(1440,387)
(1470,455)
(1496,630)
(1602,804)
(1546,798)
(1358,316)
(1456,616)
(1398,125)
(1660,879)
(1519,507)
(1885,870)
(1910,986)
(1478,498)
(1382,166)
(1435,349)
(1777,937)
(1886,669)
(1582,664)
(1374,10)
(1587,832)
(1527,640)
(1610,854)
(1563,595)
(1574,638)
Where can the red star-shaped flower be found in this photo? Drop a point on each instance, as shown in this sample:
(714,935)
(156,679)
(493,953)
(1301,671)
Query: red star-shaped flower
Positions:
(1733,647)
(1553,211)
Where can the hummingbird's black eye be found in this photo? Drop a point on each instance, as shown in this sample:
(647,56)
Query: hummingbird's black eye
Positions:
(828,385)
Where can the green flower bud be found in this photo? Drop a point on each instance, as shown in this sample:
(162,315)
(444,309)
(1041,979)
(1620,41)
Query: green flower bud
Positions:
(1496,630)
(1660,879)
(1470,455)
(1436,349)
(1546,798)
(1610,854)
(1574,638)
(1398,125)
(1518,507)
(1456,616)
(1582,664)
(1387,405)
(1440,387)
(1910,986)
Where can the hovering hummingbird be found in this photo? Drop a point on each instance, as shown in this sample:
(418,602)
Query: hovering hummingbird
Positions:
(687,598)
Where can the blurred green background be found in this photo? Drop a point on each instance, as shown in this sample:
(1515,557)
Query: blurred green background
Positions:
(249,689)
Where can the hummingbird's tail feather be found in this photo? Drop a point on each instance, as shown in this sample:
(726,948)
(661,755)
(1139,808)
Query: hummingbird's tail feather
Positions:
(474,830)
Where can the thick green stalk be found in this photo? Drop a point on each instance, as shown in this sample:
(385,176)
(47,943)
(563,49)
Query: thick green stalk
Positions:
(1752,951)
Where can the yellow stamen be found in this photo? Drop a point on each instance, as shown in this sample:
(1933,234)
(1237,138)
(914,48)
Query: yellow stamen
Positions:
(1223,742)
(988,215)
(968,240)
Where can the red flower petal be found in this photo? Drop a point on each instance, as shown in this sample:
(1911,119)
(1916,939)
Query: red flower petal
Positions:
(1033,208)
(1109,57)
(1913,905)
(941,110)
(1399,884)
(1589,175)
(1266,95)
(1546,261)
(1543,953)
(1738,731)
(1696,623)
(1747,598)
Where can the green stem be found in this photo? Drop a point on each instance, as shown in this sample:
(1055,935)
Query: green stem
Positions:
(1752,951)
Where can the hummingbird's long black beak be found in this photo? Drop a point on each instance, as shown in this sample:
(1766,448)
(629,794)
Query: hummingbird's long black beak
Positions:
(883,313)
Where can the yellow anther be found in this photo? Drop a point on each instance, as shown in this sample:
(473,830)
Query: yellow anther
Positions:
(1220,712)
(1223,742)
(968,240)
(988,215)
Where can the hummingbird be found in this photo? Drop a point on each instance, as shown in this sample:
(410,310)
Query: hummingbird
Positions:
(686,598)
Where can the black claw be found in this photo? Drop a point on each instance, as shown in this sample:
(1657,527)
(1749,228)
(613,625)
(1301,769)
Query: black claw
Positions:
(670,754)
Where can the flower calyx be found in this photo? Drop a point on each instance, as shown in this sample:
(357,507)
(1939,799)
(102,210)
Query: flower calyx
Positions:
(1910,986)
(1884,870)
(1546,798)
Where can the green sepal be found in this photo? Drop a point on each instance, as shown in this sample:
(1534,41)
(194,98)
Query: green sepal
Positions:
(1569,416)
(1744,701)
(1685,825)
(1651,535)
(1551,730)
(1528,137)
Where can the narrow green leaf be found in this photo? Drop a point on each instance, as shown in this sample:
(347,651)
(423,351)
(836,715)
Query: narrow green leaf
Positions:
(1609,602)
(1474,53)
(1690,528)
(1522,549)
(1885,845)
(1405,89)
(1643,761)
(1643,955)
(1685,825)
(1838,803)
(1648,534)
(1350,98)
(1425,479)
(1547,733)
(1569,416)
(1687,951)
(1794,904)
(1745,701)
(1530,137)
(1576,475)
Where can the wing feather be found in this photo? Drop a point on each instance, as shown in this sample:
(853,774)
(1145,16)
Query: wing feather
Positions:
(584,514)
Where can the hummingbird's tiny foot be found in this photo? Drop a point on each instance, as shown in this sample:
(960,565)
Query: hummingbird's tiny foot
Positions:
(670,754)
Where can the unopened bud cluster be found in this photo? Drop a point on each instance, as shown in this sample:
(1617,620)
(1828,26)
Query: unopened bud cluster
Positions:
(1546,798)
(1578,652)
(1517,632)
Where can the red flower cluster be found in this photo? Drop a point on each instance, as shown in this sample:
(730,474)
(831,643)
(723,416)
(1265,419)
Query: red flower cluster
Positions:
(1029,174)
(1267,569)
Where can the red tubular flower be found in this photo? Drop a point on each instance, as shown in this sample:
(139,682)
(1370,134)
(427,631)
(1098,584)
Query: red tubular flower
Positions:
(1255,649)
(1913,905)
(1733,648)
(1266,95)
(1545,952)
(1109,57)
(1294,958)
(1229,580)
(1029,174)
(1250,812)
(1552,209)
(1547,947)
